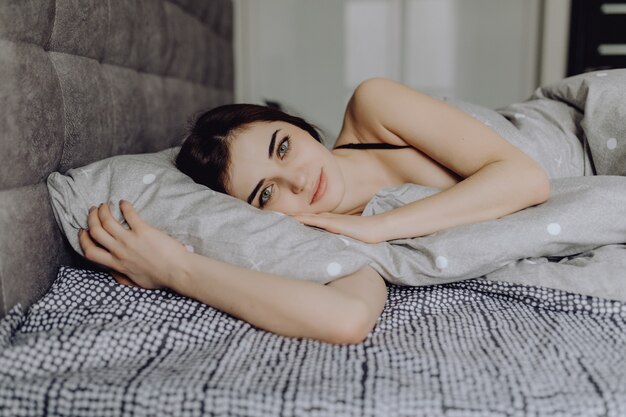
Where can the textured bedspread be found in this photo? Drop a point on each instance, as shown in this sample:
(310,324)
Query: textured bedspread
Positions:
(92,347)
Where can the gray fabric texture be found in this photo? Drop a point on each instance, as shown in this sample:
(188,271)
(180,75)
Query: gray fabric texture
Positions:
(583,212)
(575,129)
(210,223)
(470,349)
(82,80)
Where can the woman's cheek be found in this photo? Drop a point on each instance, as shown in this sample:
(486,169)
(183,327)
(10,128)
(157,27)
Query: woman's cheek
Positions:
(295,204)
(281,204)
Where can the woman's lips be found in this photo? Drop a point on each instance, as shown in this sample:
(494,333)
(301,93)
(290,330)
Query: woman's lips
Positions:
(321,188)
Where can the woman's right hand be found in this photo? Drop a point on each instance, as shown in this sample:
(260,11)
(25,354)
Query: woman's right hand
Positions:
(147,256)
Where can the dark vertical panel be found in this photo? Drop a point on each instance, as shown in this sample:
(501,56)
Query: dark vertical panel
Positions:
(590,28)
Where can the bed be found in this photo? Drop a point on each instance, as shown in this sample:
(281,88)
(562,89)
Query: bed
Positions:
(86,80)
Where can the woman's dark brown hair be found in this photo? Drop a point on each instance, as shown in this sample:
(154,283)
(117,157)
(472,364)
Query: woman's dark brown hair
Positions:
(205,154)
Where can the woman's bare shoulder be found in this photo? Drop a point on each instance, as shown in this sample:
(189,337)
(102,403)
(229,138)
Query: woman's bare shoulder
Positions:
(360,118)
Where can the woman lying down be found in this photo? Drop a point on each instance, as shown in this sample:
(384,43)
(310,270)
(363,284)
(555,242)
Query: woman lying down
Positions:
(391,135)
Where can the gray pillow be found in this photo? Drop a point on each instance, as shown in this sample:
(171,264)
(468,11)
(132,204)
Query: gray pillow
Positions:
(209,223)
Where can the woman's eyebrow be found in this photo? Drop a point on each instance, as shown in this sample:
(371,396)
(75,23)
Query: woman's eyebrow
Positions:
(270,152)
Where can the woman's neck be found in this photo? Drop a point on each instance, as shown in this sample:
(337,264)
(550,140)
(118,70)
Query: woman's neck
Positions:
(362,179)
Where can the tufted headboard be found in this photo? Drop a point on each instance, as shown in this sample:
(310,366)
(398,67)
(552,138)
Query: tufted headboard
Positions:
(82,80)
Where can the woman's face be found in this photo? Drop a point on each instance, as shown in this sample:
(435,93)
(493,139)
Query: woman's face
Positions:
(278,166)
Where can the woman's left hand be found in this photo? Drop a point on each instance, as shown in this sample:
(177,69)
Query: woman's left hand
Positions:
(140,256)
(367,229)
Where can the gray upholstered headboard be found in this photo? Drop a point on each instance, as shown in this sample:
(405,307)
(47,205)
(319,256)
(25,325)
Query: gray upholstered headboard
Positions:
(82,80)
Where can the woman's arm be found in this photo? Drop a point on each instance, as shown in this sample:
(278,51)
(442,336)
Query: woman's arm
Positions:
(344,311)
(499,179)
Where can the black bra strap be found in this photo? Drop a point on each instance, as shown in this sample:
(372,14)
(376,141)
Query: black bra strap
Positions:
(371,146)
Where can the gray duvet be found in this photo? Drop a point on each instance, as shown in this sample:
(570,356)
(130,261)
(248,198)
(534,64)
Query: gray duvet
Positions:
(576,129)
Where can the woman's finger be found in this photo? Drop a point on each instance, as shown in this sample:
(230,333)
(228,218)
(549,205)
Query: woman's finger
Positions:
(123,279)
(95,253)
(311,220)
(131,215)
(112,226)
(318,222)
(97,232)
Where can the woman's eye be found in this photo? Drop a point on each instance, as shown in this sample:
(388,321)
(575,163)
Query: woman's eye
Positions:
(283,149)
(265,196)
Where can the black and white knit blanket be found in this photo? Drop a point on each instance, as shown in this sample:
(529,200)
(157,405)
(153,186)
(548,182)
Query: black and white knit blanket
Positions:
(91,347)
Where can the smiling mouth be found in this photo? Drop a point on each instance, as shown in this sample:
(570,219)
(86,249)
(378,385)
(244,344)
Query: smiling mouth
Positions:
(320,187)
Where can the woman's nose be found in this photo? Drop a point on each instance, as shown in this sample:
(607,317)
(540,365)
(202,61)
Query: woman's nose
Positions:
(298,182)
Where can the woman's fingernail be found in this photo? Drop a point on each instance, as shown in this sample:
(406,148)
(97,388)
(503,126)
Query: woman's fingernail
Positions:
(92,208)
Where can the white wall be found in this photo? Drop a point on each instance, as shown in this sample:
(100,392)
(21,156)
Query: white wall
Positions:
(555,41)
(309,55)
(292,51)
